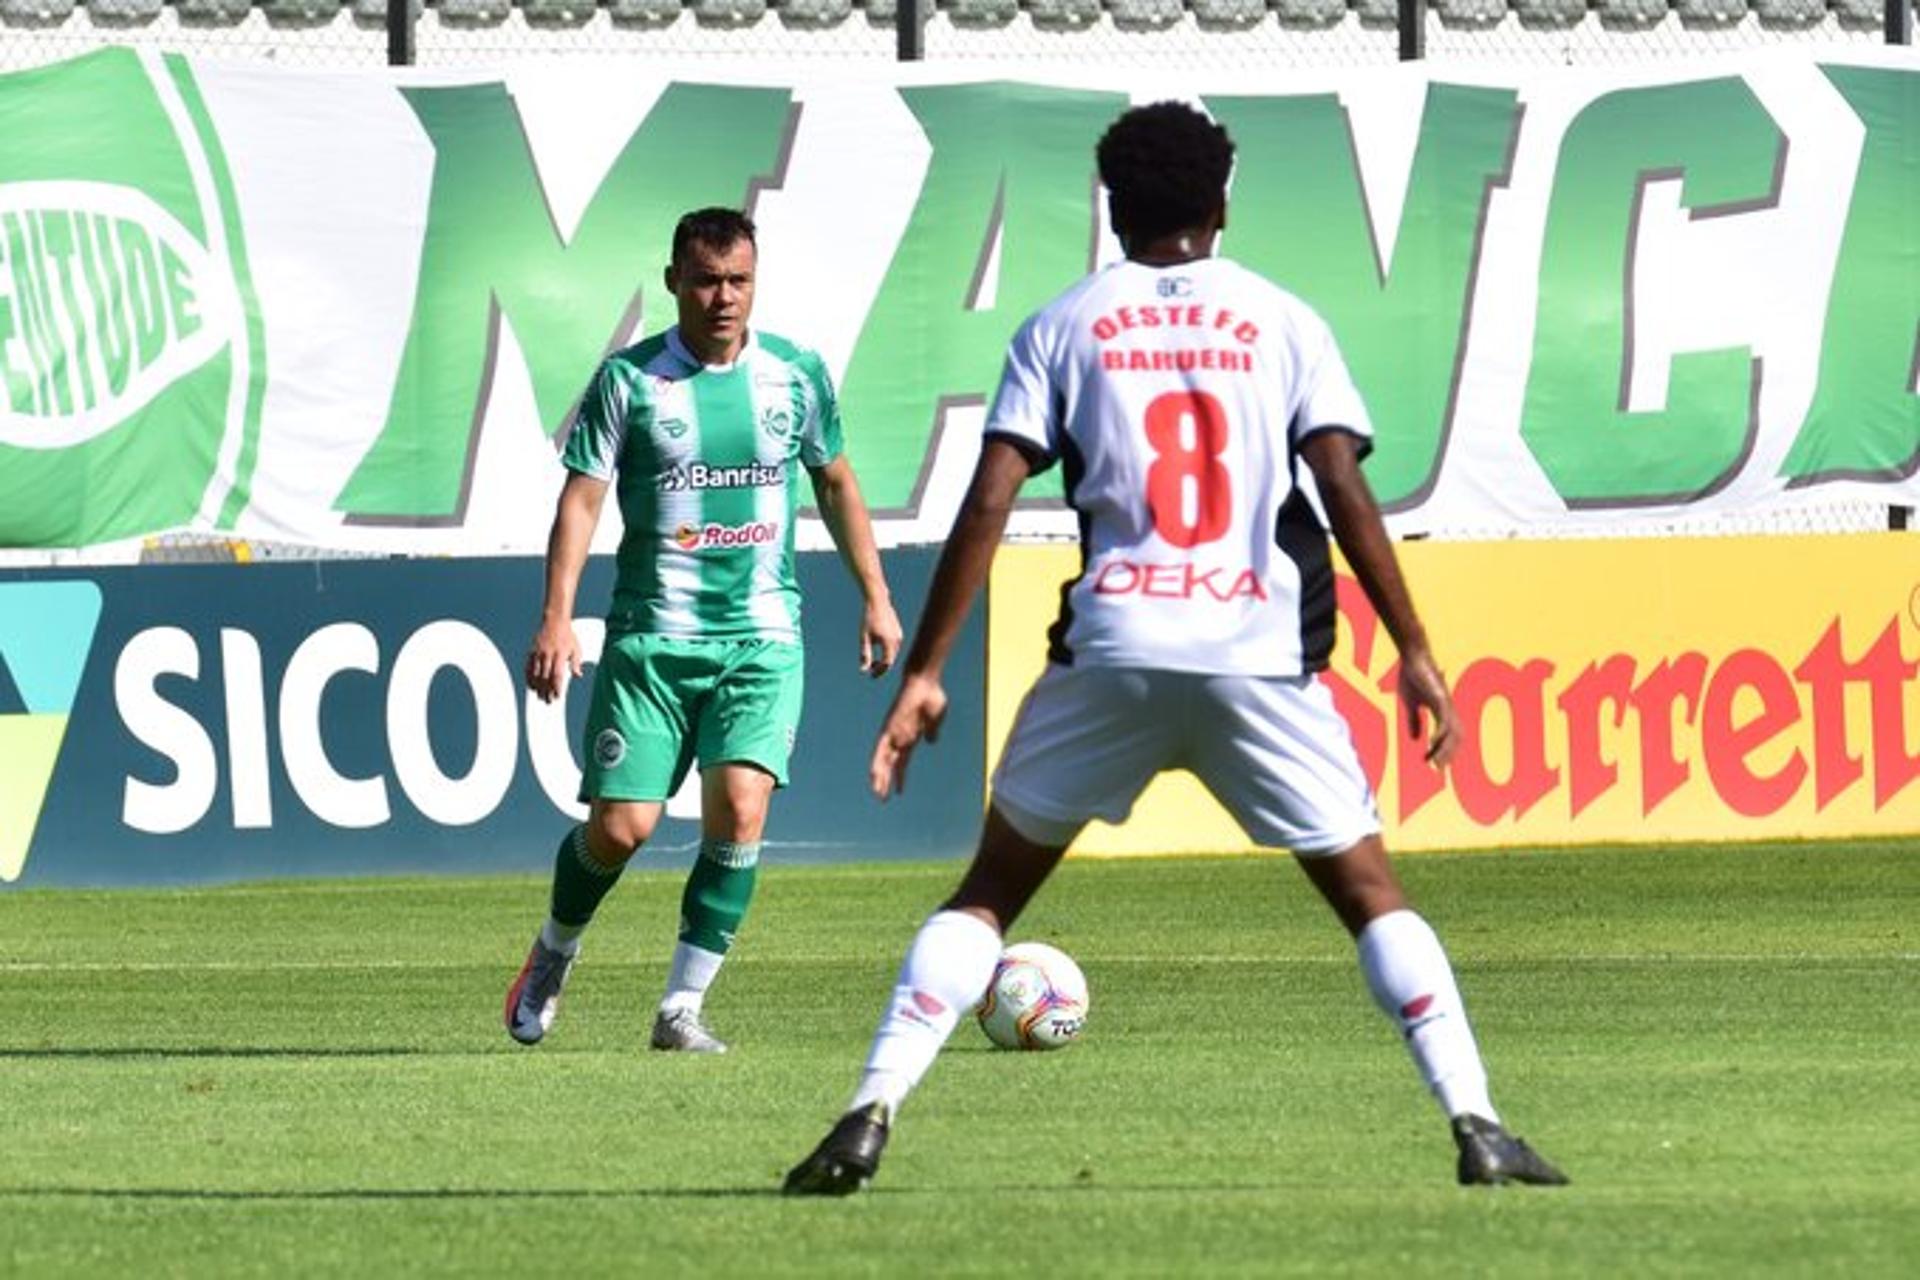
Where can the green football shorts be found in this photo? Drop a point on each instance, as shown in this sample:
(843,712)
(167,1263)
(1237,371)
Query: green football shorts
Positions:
(660,703)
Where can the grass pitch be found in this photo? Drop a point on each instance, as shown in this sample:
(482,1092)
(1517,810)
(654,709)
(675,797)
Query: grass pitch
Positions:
(1718,1044)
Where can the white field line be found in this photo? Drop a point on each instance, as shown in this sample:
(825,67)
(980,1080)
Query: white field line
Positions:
(504,882)
(364,966)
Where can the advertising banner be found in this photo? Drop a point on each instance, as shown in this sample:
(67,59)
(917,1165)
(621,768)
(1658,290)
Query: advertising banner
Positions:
(168,723)
(356,309)
(1643,690)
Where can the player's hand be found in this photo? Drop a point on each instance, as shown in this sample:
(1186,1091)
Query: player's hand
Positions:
(554,656)
(1429,708)
(880,637)
(917,711)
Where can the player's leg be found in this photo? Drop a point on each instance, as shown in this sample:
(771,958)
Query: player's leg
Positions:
(951,959)
(719,889)
(636,753)
(744,729)
(586,866)
(947,967)
(1283,764)
(1412,982)
(1084,745)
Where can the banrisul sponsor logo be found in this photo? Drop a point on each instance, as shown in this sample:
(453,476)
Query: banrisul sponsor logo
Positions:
(46,631)
(130,361)
(701,475)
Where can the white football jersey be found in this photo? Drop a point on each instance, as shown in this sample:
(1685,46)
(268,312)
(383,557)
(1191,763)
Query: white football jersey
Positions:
(1175,399)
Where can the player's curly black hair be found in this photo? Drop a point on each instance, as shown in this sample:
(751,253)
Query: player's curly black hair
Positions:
(717,228)
(1165,167)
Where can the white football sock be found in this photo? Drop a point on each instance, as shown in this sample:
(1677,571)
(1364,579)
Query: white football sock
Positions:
(689,977)
(1407,971)
(946,971)
(564,938)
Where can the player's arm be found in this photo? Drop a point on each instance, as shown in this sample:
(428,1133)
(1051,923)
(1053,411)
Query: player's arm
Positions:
(556,650)
(964,564)
(1362,536)
(844,511)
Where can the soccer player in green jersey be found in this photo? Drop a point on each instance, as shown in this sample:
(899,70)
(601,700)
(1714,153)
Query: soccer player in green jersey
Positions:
(698,429)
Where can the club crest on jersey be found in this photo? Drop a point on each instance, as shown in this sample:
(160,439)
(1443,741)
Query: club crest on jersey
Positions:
(776,422)
(1175,286)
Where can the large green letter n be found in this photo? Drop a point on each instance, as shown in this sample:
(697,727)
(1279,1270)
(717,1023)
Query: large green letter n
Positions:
(492,250)
(1012,170)
(1301,217)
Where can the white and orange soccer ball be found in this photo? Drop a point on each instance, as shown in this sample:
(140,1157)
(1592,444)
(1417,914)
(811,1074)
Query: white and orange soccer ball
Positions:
(1037,999)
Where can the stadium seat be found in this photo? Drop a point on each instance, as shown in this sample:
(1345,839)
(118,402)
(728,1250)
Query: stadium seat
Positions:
(213,13)
(1469,15)
(1378,15)
(557,13)
(467,15)
(34,13)
(1064,15)
(725,15)
(1311,15)
(1790,15)
(295,14)
(814,15)
(977,14)
(644,15)
(1860,15)
(1711,15)
(1229,15)
(1146,15)
(124,13)
(1550,15)
(1632,15)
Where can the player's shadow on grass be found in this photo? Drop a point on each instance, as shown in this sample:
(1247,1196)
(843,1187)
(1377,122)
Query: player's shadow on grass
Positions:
(210,1051)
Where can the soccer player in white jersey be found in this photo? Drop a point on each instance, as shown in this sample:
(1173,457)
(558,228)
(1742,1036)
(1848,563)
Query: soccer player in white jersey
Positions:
(1181,394)
(700,428)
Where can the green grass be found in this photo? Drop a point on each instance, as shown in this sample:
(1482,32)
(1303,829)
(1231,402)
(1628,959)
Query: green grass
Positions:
(1719,1044)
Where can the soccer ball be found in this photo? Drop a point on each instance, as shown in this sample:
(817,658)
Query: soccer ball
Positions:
(1037,999)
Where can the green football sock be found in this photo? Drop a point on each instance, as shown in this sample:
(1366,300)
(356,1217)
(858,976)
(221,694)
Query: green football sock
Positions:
(579,880)
(717,893)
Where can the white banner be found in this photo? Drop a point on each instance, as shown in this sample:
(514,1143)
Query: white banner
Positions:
(354,310)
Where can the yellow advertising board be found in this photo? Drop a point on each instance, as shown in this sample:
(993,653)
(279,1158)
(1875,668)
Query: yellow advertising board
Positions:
(1642,690)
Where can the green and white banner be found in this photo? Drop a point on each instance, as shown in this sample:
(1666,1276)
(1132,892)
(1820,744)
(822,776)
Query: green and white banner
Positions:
(356,309)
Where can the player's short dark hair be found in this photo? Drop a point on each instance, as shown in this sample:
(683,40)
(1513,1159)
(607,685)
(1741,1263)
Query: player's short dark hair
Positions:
(1165,167)
(716,228)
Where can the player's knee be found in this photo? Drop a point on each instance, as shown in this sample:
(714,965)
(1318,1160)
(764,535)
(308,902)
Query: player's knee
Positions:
(737,800)
(1358,882)
(615,835)
(743,824)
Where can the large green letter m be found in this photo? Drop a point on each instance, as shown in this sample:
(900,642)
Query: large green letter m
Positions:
(492,250)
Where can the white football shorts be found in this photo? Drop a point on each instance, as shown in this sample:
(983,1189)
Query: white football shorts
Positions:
(1272,750)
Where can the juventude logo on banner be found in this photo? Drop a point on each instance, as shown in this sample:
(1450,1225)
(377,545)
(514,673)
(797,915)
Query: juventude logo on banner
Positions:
(105,301)
(125,361)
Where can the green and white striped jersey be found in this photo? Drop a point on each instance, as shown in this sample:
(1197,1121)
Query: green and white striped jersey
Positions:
(702,457)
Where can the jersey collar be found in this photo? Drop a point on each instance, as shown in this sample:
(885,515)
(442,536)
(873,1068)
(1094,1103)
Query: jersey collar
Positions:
(679,347)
